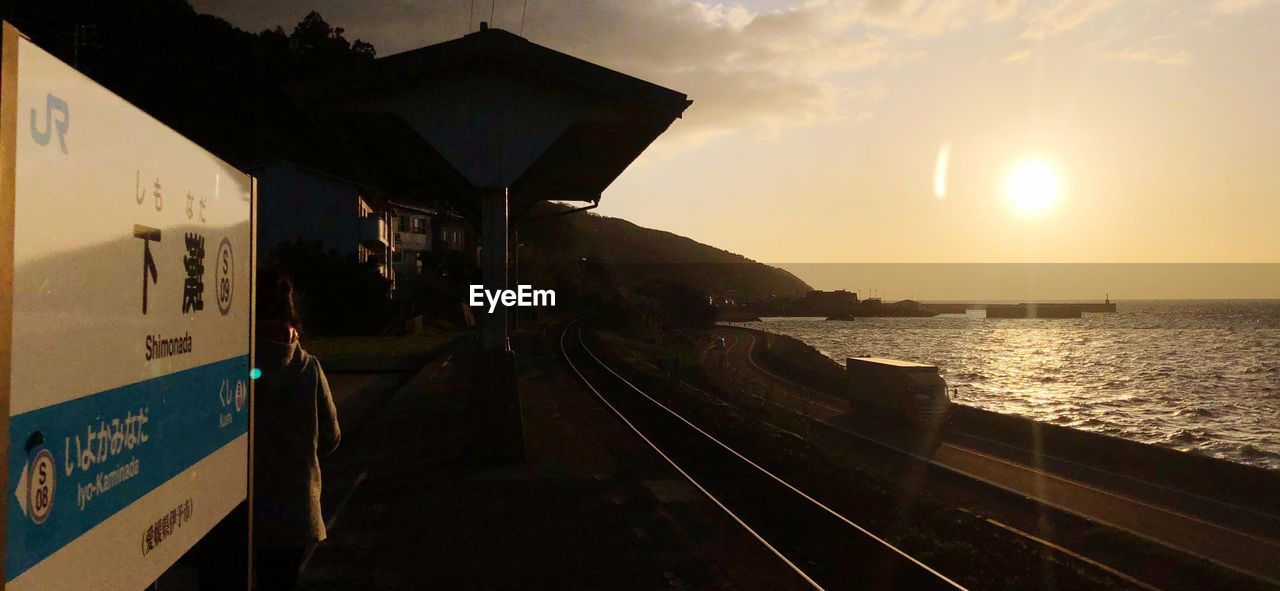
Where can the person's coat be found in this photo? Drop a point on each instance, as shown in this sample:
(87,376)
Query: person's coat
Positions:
(295,422)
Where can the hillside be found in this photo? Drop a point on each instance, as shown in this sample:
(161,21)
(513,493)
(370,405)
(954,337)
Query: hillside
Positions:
(633,254)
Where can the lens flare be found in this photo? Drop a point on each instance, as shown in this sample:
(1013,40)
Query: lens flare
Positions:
(940,170)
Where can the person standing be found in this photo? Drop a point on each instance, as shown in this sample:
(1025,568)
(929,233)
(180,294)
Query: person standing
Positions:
(295,422)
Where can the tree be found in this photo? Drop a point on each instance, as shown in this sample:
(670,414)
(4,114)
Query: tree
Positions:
(314,34)
(315,42)
(672,304)
(364,49)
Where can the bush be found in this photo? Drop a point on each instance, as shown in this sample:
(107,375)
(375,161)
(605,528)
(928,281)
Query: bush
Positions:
(671,304)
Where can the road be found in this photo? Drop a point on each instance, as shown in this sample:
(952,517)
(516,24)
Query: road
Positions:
(1199,532)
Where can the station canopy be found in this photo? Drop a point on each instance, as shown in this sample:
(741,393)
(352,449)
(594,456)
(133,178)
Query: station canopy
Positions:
(492,110)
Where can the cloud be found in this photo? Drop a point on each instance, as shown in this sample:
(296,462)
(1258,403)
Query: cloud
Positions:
(998,10)
(767,70)
(1062,15)
(764,71)
(1226,7)
(1018,57)
(745,68)
(1164,56)
(1154,50)
(917,17)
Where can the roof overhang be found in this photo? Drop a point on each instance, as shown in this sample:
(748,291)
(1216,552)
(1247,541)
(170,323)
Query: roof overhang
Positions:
(497,111)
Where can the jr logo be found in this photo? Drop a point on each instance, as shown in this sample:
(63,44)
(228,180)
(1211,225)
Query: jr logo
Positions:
(51,124)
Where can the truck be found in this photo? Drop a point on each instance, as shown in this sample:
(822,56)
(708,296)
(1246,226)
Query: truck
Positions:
(912,392)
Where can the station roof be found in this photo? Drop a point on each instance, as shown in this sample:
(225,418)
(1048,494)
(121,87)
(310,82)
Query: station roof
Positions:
(500,111)
(495,47)
(394,158)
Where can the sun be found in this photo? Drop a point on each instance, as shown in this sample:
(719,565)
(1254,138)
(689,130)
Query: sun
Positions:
(1032,187)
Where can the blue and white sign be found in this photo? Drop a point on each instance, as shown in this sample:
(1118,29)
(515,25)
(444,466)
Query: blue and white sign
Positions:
(128,420)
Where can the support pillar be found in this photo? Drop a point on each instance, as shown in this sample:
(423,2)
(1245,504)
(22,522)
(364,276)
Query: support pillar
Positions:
(494,250)
(498,426)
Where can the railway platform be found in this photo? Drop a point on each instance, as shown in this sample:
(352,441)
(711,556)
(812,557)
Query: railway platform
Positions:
(592,507)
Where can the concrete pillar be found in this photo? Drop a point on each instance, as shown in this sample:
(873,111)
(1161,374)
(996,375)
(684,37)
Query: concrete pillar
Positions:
(498,427)
(494,237)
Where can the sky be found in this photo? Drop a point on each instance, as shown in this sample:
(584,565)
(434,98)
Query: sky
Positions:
(817,126)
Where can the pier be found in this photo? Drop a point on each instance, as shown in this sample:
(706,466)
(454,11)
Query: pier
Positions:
(1027,309)
(873,308)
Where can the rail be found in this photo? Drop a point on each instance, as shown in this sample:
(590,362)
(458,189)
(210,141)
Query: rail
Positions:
(908,572)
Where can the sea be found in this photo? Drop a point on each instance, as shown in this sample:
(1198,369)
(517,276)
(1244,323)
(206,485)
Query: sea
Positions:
(1198,376)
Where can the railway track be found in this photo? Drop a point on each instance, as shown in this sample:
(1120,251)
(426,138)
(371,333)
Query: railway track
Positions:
(1228,547)
(824,548)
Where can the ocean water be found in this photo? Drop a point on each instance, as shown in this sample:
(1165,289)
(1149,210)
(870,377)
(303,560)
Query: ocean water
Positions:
(1197,376)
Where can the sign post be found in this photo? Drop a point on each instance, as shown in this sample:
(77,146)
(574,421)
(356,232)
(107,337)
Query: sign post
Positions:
(125,332)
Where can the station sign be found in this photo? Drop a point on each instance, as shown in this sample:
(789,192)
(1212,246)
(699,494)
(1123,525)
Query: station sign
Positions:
(125,332)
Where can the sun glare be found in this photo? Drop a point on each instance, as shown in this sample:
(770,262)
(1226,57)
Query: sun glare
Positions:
(1032,186)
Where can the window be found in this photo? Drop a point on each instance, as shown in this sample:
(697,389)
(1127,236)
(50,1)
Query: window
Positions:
(419,224)
(404,223)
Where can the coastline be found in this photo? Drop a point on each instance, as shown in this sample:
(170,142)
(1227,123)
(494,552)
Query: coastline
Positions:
(1190,471)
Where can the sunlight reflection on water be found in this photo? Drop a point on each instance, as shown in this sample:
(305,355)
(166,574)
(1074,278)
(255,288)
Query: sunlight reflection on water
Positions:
(1199,376)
